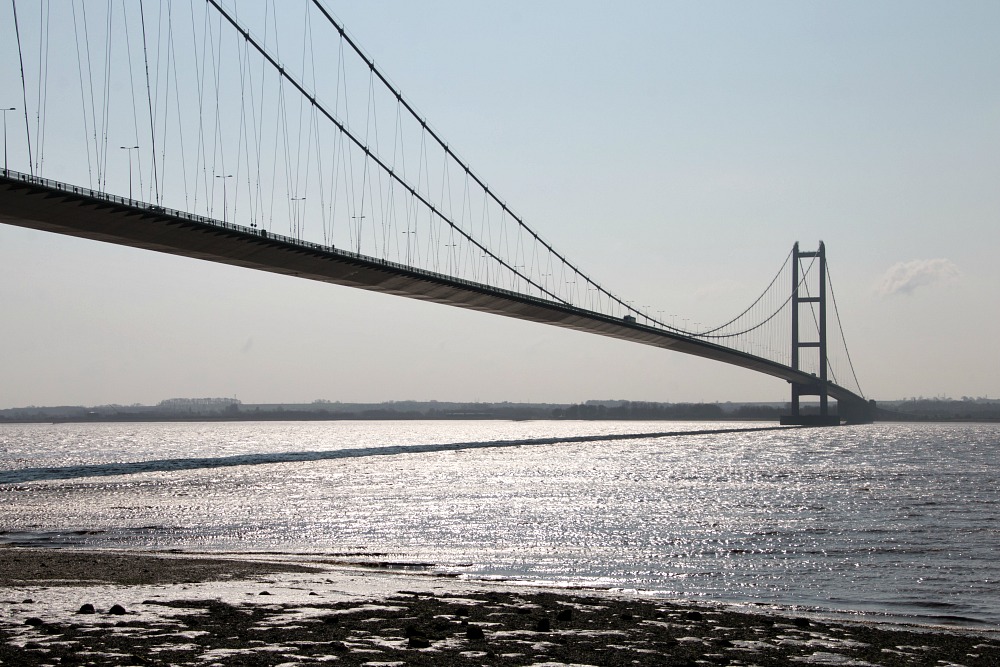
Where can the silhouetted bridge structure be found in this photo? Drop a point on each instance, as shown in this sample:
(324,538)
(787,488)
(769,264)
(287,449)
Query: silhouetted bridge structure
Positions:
(384,225)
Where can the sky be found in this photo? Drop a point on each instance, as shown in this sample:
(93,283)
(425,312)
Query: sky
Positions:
(674,150)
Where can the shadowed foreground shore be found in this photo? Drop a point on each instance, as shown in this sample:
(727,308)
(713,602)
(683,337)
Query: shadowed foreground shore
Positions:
(423,621)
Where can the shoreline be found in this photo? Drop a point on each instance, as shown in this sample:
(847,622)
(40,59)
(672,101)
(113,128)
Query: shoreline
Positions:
(270,609)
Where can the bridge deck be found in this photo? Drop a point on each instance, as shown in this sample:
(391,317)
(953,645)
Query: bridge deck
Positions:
(49,206)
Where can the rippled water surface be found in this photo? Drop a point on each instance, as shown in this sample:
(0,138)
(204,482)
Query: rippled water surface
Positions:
(888,519)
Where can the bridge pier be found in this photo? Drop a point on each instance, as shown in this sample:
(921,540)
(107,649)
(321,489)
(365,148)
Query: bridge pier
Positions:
(857,412)
(823,418)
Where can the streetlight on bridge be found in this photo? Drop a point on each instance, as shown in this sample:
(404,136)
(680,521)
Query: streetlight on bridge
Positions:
(130,149)
(5,136)
(225,199)
(296,218)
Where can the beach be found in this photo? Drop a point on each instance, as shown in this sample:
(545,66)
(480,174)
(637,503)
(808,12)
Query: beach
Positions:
(84,607)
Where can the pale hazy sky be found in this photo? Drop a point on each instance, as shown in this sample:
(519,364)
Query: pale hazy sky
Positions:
(675,150)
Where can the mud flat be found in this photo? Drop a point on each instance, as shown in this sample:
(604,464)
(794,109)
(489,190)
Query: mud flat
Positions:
(61,607)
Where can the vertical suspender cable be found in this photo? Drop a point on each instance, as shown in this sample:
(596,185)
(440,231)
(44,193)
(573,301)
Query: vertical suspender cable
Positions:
(93,105)
(106,97)
(44,16)
(24,87)
(149,101)
(83,98)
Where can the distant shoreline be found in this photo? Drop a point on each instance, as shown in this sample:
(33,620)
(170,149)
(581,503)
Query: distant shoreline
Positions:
(127,419)
(232,410)
(326,417)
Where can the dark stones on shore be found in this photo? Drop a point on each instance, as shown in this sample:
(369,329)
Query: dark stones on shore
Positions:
(416,637)
(418,642)
(88,608)
(474,629)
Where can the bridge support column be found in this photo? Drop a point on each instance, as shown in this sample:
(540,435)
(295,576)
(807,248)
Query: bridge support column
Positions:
(819,386)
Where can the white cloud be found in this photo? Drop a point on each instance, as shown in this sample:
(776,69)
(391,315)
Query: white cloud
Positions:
(907,277)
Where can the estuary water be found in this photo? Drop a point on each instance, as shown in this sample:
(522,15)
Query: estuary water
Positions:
(895,522)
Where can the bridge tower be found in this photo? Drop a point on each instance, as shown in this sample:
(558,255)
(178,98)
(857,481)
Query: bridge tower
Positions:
(818,387)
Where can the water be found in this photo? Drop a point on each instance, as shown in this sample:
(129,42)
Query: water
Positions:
(895,521)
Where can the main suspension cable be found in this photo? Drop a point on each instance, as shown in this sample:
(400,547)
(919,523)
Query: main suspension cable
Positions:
(756,301)
(367,152)
(464,166)
(840,326)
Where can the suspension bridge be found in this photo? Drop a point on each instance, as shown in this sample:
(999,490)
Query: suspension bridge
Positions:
(270,140)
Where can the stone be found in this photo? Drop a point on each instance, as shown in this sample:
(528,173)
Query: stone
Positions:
(87,609)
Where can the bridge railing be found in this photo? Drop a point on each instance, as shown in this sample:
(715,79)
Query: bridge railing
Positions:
(146,207)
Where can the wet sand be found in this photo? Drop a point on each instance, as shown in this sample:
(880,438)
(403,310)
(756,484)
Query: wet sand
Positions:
(56,567)
(176,609)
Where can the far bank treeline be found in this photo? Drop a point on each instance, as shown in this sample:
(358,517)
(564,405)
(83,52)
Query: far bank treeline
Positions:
(231,409)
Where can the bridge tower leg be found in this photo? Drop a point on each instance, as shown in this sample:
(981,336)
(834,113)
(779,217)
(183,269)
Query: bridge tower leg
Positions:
(819,386)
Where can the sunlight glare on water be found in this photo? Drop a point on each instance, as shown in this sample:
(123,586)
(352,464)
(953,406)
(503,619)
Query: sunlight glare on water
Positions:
(894,519)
